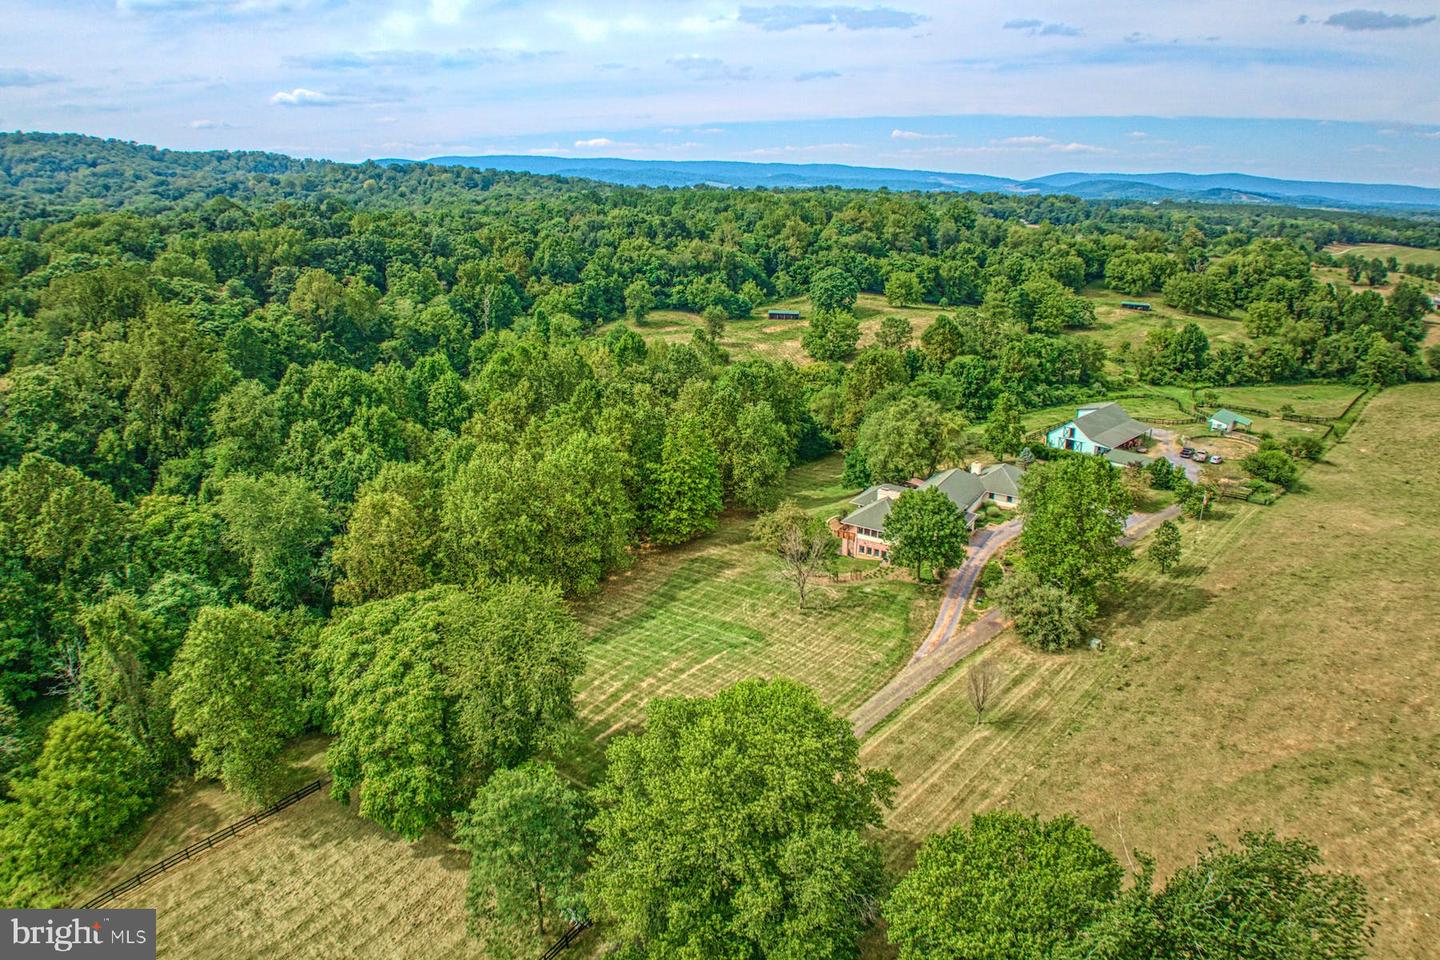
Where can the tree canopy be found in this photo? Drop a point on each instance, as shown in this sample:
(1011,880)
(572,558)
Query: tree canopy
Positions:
(734,825)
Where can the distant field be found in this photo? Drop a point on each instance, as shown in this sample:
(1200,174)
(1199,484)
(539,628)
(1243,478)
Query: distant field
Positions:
(692,620)
(780,339)
(1284,677)
(1116,325)
(1387,250)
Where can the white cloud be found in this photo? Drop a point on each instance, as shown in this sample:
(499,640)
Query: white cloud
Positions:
(210,125)
(301,97)
(595,142)
(898,134)
(447,11)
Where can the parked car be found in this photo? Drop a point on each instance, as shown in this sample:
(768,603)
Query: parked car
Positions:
(1216,458)
(1199,456)
(1186,452)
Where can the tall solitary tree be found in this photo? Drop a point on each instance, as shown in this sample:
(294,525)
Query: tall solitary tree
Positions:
(925,526)
(1004,434)
(688,484)
(733,826)
(232,696)
(833,290)
(1075,510)
(1165,546)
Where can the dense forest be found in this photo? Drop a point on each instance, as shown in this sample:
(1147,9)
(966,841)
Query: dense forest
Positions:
(294,445)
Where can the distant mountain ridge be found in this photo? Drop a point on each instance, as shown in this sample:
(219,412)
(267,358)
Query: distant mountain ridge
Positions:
(1201,187)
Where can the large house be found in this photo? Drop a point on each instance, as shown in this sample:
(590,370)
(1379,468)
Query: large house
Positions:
(1105,430)
(862,531)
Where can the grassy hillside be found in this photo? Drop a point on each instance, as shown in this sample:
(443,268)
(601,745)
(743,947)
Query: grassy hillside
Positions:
(1284,677)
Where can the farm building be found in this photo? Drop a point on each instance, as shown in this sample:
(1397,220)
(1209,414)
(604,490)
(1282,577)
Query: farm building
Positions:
(862,531)
(1099,430)
(1224,421)
(783,314)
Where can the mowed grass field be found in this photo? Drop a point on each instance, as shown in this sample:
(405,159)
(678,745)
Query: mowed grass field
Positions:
(318,881)
(1286,676)
(692,620)
(1115,324)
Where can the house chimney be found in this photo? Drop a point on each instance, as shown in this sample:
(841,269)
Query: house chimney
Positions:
(977,468)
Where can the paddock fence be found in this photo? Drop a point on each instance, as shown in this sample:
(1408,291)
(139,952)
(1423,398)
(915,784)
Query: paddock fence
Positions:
(566,939)
(200,846)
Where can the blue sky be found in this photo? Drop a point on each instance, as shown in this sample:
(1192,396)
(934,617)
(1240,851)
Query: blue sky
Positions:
(1320,90)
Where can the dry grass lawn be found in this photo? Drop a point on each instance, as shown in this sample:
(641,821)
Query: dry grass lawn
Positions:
(1285,676)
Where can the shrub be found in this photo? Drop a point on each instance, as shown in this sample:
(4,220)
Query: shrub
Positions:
(1046,616)
(1274,466)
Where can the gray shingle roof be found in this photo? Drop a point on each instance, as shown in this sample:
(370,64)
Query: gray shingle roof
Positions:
(871,515)
(1110,425)
(1002,478)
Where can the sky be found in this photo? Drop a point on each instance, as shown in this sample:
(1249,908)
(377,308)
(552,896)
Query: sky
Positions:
(1308,89)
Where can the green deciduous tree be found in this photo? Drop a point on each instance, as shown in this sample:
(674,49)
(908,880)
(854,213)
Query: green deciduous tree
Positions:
(429,693)
(86,790)
(1004,433)
(234,699)
(832,290)
(276,524)
(688,484)
(902,289)
(1273,466)
(831,335)
(895,333)
(639,300)
(925,526)
(1005,887)
(526,834)
(1264,899)
(1046,616)
(1165,546)
(733,827)
(902,440)
(1075,510)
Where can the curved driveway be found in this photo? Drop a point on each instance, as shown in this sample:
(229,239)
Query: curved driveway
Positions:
(946,645)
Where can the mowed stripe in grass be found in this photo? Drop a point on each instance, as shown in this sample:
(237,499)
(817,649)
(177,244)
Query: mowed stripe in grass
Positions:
(1288,683)
(690,621)
(949,768)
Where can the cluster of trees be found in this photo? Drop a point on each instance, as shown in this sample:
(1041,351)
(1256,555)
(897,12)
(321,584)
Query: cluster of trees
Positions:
(1299,327)
(743,824)
(1018,887)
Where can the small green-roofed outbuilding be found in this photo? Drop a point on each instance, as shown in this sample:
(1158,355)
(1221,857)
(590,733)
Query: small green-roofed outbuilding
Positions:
(1223,421)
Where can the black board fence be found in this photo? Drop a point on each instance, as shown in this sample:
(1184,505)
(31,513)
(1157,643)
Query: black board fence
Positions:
(566,939)
(199,846)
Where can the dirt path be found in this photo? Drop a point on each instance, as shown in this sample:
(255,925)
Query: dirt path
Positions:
(946,646)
